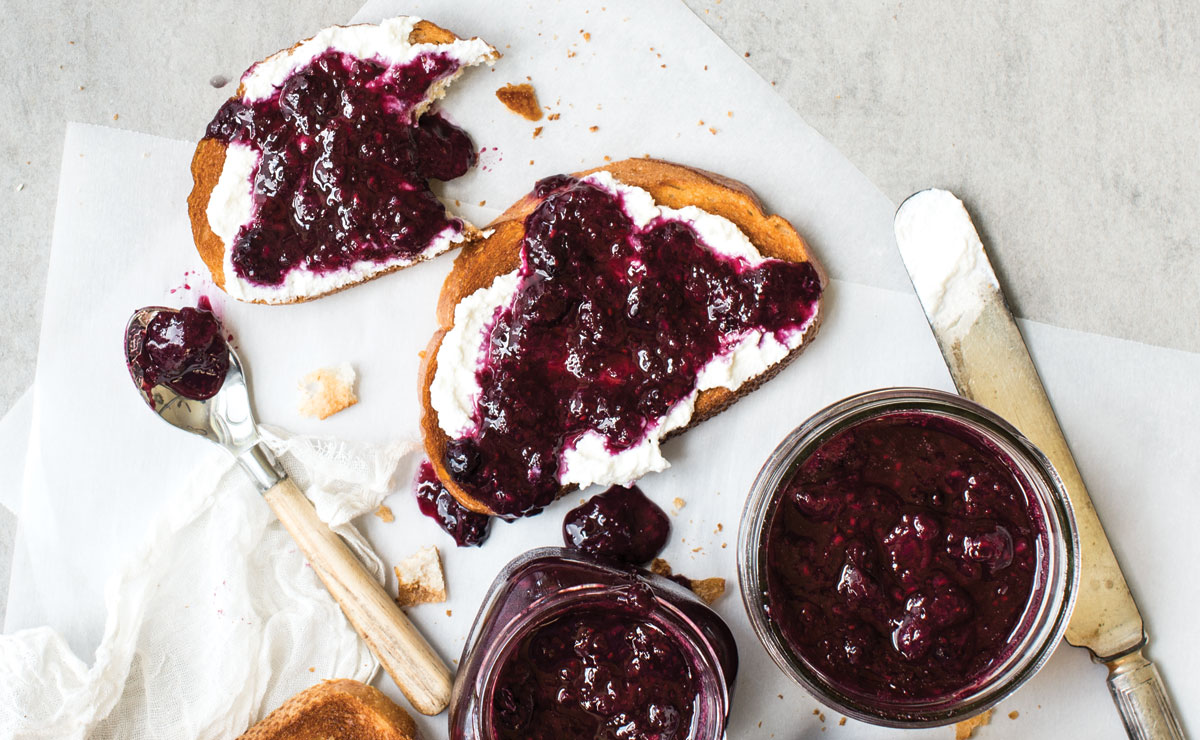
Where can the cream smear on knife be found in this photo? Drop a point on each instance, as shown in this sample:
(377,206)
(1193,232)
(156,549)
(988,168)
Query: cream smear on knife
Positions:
(946,260)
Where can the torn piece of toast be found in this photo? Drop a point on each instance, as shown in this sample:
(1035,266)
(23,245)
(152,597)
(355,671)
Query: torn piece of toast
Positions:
(326,391)
(420,578)
(343,709)
(315,175)
(496,278)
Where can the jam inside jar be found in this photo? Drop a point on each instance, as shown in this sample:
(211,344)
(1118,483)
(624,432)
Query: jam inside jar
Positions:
(908,557)
(567,646)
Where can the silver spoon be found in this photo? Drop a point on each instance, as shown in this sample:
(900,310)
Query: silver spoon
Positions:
(227,419)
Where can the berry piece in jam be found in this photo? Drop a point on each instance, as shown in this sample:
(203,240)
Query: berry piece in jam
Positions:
(183,350)
(600,673)
(466,527)
(620,523)
(609,329)
(344,168)
(901,557)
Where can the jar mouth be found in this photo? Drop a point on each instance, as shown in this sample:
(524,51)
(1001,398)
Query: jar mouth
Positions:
(711,704)
(1040,625)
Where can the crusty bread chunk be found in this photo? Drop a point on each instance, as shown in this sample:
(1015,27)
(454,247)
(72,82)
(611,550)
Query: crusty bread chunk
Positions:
(676,186)
(420,578)
(342,709)
(326,391)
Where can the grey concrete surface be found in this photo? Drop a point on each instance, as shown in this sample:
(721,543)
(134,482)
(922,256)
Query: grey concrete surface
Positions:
(1070,128)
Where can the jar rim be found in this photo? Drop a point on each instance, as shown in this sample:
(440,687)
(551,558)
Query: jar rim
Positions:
(1045,616)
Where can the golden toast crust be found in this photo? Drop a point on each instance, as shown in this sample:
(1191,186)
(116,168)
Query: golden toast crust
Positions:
(341,708)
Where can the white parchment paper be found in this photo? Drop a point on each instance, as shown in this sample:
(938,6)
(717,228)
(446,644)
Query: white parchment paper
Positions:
(100,464)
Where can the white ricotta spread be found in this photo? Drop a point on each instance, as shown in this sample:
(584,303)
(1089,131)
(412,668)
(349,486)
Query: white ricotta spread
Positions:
(231,204)
(945,258)
(386,42)
(588,461)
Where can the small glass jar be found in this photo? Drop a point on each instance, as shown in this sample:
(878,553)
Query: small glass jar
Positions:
(1039,627)
(547,584)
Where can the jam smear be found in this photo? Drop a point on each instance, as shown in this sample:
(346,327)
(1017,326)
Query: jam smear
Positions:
(345,166)
(183,350)
(468,528)
(609,328)
(598,673)
(620,523)
(901,558)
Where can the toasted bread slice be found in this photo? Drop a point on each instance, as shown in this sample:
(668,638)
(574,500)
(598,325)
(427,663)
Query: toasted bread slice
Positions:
(342,709)
(673,185)
(208,162)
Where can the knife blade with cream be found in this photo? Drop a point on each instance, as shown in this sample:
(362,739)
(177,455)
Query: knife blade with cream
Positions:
(990,364)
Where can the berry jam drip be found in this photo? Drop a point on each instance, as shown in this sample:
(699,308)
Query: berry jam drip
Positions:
(620,523)
(901,558)
(597,673)
(466,527)
(609,327)
(184,351)
(344,171)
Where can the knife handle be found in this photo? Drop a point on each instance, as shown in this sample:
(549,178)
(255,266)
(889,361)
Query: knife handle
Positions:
(405,654)
(1141,696)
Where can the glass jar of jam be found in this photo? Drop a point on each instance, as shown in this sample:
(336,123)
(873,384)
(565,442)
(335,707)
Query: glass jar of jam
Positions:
(908,557)
(565,646)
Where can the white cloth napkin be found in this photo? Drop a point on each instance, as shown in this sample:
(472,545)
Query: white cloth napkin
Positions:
(216,619)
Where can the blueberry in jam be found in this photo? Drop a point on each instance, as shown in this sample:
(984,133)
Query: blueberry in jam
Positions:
(596,673)
(901,557)
(345,166)
(608,330)
(466,527)
(183,350)
(620,523)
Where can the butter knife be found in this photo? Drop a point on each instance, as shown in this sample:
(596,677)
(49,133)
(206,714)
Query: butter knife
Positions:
(990,364)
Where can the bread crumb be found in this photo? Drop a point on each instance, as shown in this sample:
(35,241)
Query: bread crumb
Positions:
(841,722)
(531,162)
(483,202)
(720,528)
(747,55)
(522,100)
(593,129)
(966,729)
(312,669)
(116,116)
(1014,714)
(570,54)
(660,567)
(701,123)
(712,131)
(729,114)
(816,712)
(709,589)
(678,503)
(420,578)
(327,391)
(449,612)
(385,514)
(587,36)
(553,116)
(537,132)
(607,158)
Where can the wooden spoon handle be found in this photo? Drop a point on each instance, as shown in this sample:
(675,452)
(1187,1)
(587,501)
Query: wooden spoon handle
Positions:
(405,654)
